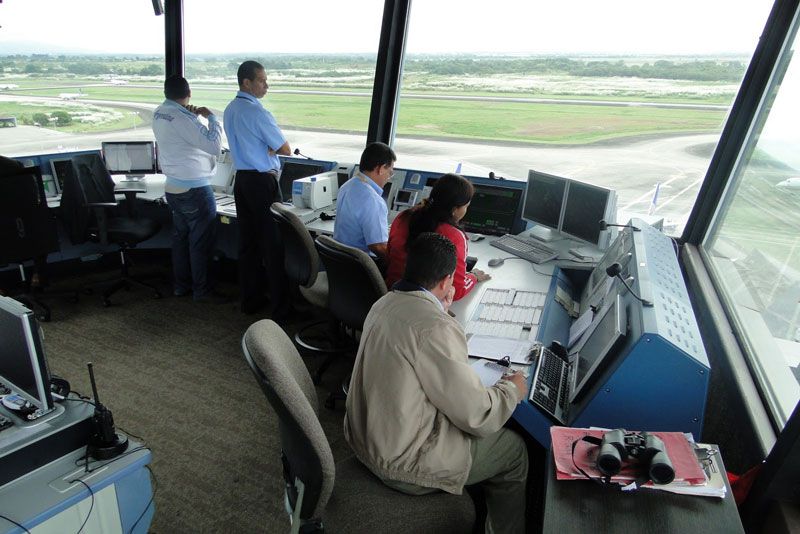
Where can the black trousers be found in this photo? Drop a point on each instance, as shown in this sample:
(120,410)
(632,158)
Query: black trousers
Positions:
(260,247)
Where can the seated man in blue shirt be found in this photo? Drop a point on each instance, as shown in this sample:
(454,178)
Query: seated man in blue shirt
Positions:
(361,212)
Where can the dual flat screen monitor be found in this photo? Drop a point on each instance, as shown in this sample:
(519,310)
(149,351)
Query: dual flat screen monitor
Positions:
(567,206)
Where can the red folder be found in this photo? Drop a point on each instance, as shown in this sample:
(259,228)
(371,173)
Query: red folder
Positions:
(680,451)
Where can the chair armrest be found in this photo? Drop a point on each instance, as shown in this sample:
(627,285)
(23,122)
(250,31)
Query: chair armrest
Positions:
(101,204)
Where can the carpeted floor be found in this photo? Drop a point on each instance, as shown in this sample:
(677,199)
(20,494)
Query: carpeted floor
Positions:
(173,373)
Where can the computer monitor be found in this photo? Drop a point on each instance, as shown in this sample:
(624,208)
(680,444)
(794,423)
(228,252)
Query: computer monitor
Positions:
(544,199)
(387,189)
(599,345)
(292,171)
(585,206)
(23,366)
(60,168)
(493,210)
(129,157)
(222,181)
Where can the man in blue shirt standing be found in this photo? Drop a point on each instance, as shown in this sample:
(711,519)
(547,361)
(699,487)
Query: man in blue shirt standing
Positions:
(187,151)
(255,141)
(361,211)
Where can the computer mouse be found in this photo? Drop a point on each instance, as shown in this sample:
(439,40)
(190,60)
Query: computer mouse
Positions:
(496,262)
(476,237)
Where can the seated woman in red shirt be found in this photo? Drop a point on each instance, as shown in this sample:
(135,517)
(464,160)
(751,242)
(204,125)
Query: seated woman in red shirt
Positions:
(439,213)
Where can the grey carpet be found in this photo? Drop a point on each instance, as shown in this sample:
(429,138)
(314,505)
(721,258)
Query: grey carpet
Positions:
(173,373)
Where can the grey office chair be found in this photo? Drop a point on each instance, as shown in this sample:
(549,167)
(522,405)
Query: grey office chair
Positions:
(345,497)
(301,263)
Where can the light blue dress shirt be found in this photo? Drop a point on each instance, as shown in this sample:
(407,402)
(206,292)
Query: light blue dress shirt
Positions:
(361,214)
(252,132)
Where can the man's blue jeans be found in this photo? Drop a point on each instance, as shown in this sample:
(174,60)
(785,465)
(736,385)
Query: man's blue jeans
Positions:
(194,227)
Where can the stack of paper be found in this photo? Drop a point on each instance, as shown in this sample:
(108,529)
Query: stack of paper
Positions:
(696,466)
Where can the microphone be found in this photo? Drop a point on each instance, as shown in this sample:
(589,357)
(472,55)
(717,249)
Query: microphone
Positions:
(614,270)
(298,153)
(604,226)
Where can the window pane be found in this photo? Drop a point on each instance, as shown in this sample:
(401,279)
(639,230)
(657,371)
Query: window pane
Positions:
(626,95)
(754,243)
(78,75)
(319,58)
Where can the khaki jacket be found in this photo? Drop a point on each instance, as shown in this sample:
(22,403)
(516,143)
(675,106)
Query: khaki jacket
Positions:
(414,402)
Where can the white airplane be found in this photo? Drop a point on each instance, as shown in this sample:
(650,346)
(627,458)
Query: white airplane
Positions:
(8,86)
(70,96)
(118,82)
(790,183)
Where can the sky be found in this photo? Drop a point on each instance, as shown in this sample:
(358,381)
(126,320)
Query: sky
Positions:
(624,27)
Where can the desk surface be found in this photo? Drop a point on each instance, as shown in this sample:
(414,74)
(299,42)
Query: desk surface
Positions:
(577,506)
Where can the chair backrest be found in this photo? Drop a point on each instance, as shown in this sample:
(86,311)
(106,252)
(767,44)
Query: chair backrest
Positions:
(301,260)
(85,181)
(94,178)
(285,381)
(27,226)
(354,281)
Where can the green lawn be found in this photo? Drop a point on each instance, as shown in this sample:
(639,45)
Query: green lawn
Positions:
(117,119)
(501,121)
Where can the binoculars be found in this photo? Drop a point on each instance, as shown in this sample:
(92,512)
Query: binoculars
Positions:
(648,449)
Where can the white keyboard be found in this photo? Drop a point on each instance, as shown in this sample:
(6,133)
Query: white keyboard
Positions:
(507,313)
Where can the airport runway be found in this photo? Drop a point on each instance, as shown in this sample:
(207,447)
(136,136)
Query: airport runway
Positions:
(633,167)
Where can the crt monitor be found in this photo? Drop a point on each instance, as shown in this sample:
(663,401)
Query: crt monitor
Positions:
(493,210)
(599,344)
(23,367)
(585,206)
(544,199)
(129,157)
(292,171)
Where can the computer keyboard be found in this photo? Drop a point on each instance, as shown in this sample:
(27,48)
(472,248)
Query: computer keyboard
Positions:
(507,313)
(549,389)
(527,249)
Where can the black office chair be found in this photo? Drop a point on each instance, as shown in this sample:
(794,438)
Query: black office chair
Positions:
(345,497)
(354,281)
(87,202)
(27,229)
(301,263)
(354,284)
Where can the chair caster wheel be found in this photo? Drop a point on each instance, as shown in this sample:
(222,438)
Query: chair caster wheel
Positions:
(106,303)
(157,295)
(44,317)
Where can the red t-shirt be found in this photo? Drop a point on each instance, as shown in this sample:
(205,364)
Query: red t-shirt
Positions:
(463,282)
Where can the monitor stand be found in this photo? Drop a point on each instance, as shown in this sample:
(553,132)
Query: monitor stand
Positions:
(543,233)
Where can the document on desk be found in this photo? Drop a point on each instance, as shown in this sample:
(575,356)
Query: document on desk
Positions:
(489,372)
(495,348)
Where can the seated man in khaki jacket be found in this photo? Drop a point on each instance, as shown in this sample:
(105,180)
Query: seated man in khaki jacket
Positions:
(417,414)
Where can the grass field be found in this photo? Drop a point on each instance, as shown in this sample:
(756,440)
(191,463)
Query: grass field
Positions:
(98,119)
(500,121)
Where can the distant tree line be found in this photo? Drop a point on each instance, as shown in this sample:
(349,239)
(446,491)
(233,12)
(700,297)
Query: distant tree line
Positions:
(316,65)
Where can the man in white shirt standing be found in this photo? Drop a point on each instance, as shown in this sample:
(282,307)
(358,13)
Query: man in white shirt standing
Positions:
(187,151)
